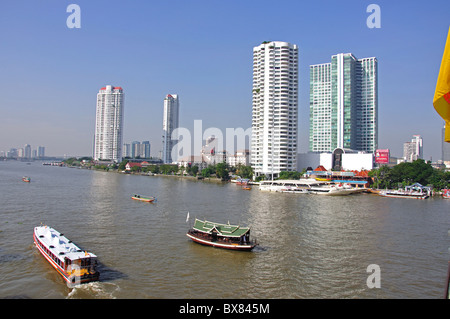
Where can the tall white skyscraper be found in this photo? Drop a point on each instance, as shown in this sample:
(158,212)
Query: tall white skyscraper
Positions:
(275,108)
(109,124)
(413,150)
(170,123)
(344,104)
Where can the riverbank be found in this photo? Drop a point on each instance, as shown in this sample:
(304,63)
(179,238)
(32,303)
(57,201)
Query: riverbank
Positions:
(188,177)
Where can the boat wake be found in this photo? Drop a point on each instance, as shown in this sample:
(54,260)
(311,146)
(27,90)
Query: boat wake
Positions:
(94,290)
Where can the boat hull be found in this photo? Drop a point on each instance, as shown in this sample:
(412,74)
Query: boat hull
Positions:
(147,200)
(336,192)
(404,196)
(219,244)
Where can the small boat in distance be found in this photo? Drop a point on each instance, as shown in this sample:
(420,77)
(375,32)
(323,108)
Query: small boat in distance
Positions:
(26,179)
(221,235)
(242,181)
(144,199)
(73,264)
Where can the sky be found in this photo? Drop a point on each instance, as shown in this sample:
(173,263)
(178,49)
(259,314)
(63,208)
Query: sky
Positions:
(202,50)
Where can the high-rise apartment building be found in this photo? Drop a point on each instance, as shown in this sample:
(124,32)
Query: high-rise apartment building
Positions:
(109,124)
(126,150)
(27,151)
(275,108)
(135,149)
(413,150)
(145,149)
(344,104)
(41,152)
(170,123)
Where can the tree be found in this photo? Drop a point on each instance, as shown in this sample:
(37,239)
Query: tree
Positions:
(206,172)
(168,169)
(290,175)
(194,170)
(405,174)
(245,171)
(136,169)
(222,171)
(154,169)
(122,165)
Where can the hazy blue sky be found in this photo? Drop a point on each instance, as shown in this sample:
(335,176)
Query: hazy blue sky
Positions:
(202,50)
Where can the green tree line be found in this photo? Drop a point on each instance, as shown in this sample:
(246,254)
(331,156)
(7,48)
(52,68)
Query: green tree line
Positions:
(405,174)
(220,170)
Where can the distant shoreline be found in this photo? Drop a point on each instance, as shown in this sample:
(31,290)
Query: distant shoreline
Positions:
(194,178)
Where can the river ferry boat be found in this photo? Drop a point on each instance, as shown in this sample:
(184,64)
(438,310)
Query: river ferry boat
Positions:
(289,186)
(26,179)
(415,191)
(73,264)
(221,235)
(309,186)
(403,194)
(143,198)
(335,190)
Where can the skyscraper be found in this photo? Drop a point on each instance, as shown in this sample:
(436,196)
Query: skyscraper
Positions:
(41,152)
(170,123)
(145,149)
(27,151)
(109,124)
(344,104)
(135,149)
(413,150)
(275,104)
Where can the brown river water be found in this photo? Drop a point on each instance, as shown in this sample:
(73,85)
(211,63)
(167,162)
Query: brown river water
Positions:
(310,246)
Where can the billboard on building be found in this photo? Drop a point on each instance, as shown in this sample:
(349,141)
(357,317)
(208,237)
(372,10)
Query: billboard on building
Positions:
(382,156)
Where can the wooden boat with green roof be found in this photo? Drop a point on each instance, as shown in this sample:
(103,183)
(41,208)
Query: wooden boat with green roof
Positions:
(221,235)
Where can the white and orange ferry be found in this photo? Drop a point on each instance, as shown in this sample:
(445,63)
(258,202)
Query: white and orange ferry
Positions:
(73,264)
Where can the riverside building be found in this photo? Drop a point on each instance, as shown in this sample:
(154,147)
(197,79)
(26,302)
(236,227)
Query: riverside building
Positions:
(109,124)
(413,150)
(170,123)
(275,108)
(344,104)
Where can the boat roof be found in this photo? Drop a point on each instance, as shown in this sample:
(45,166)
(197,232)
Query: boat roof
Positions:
(60,245)
(223,229)
(302,181)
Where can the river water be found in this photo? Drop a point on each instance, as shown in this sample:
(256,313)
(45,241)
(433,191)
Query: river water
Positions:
(311,246)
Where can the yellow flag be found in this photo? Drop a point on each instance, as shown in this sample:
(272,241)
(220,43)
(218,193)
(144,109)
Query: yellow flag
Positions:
(441,101)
